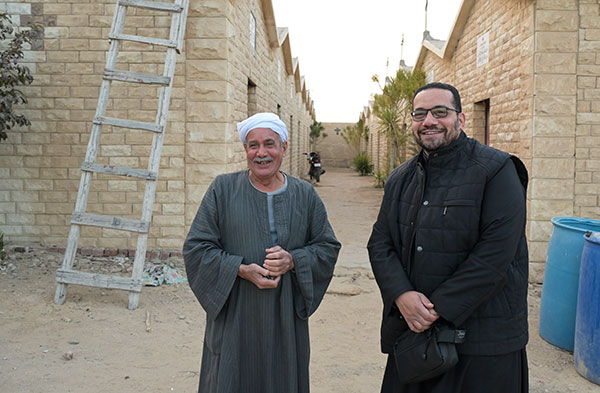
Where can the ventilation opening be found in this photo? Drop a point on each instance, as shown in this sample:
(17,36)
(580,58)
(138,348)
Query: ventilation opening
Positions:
(481,121)
(252,101)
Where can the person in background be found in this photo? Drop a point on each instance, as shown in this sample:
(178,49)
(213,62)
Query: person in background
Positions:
(259,257)
(449,245)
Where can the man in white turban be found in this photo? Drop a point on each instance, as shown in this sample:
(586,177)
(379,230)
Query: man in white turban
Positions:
(259,257)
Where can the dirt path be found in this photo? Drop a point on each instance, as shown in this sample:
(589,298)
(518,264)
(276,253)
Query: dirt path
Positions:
(157,347)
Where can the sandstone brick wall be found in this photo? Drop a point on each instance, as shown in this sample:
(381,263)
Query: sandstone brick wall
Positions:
(39,165)
(334,150)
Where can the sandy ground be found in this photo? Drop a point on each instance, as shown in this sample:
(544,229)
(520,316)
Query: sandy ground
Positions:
(157,347)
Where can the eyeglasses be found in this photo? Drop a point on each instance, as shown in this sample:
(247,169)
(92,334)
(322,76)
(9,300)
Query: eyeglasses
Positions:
(438,112)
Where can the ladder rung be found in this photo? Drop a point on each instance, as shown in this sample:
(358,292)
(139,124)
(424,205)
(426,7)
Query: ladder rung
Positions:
(98,280)
(117,170)
(136,77)
(152,5)
(143,40)
(138,125)
(99,220)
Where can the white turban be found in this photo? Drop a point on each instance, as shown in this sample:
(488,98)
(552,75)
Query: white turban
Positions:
(262,120)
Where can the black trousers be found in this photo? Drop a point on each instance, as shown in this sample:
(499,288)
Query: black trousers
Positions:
(472,374)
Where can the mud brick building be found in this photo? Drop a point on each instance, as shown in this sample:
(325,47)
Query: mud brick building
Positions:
(235,62)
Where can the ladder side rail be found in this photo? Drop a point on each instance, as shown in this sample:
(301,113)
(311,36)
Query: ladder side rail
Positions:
(181,24)
(91,153)
(153,167)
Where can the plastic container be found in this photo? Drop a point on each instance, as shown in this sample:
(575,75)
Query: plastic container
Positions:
(587,323)
(561,279)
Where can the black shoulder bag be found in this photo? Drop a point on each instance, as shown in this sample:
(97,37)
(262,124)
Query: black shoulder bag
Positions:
(421,356)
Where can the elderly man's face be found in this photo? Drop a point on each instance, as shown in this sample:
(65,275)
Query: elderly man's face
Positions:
(264,152)
(432,133)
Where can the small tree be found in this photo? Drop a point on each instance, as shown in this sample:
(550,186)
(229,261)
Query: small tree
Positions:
(357,136)
(13,74)
(316,135)
(392,107)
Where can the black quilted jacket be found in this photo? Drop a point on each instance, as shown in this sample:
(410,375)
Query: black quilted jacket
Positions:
(452,226)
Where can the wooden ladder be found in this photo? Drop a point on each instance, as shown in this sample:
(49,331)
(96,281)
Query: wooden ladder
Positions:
(66,275)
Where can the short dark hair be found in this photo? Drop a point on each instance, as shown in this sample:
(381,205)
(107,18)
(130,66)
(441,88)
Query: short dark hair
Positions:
(443,86)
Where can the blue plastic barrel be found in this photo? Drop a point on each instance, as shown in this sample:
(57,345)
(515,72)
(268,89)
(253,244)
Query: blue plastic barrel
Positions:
(561,279)
(587,323)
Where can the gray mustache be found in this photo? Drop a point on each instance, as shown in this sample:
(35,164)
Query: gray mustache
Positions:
(267,159)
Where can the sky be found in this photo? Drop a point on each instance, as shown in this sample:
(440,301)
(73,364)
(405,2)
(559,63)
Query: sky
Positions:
(341,44)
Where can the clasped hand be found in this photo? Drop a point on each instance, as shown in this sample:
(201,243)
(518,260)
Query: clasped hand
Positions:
(278,262)
(417,310)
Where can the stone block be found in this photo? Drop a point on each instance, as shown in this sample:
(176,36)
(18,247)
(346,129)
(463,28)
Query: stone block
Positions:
(589,46)
(206,132)
(210,112)
(208,28)
(57,150)
(122,185)
(554,126)
(170,243)
(10,230)
(556,5)
(93,8)
(39,185)
(553,84)
(60,56)
(84,91)
(115,150)
(20,219)
(207,90)
(588,118)
(555,105)
(589,21)
(100,20)
(553,168)
(207,49)
(586,201)
(28,150)
(588,82)
(555,20)
(53,196)
(117,209)
(546,209)
(79,68)
(551,188)
(111,197)
(72,20)
(205,153)
(69,103)
(18,8)
(540,230)
(587,189)
(173,208)
(8,207)
(174,185)
(215,70)
(556,41)
(560,63)
(208,8)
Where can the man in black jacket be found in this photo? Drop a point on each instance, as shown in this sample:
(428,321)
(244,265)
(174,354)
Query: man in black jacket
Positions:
(449,246)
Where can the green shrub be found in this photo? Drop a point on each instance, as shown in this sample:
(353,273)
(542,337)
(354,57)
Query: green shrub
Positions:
(380,178)
(362,164)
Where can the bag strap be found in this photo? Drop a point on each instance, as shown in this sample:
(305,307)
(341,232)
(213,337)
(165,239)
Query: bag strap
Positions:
(451,335)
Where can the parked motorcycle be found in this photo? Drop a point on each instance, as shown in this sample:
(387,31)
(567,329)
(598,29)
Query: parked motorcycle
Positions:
(316,168)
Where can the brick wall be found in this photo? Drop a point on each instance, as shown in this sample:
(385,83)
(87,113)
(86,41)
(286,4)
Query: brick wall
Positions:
(39,165)
(334,150)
